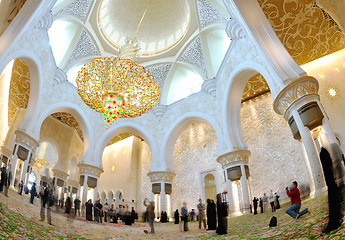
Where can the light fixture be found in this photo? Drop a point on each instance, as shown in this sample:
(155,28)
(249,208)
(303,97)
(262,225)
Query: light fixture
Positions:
(332,92)
(118,87)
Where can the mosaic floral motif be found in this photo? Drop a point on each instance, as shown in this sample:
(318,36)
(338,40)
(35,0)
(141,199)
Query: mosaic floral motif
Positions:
(14,225)
(280,164)
(19,88)
(160,73)
(78,9)
(208,15)
(194,55)
(256,85)
(306,31)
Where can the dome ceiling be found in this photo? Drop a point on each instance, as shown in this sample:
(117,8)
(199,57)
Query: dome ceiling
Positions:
(164,25)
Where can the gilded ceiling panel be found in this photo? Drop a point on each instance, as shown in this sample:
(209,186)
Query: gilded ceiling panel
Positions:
(19,88)
(306,31)
(69,120)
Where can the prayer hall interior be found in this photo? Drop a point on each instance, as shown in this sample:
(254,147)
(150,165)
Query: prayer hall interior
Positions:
(171,101)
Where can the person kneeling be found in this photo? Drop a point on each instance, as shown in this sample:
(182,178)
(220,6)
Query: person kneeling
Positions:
(295,196)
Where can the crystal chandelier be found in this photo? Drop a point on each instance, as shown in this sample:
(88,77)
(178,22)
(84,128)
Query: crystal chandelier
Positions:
(118,87)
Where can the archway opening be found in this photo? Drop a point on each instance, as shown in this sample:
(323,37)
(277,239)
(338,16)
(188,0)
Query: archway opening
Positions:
(210,188)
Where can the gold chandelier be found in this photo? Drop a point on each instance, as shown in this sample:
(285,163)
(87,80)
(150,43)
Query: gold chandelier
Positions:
(118,87)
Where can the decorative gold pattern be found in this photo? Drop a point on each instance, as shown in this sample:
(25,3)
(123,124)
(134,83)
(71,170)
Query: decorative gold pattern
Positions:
(60,174)
(294,91)
(12,12)
(90,170)
(306,31)
(234,156)
(166,176)
(27,139)
(255,86)
(19,88)
(69,120)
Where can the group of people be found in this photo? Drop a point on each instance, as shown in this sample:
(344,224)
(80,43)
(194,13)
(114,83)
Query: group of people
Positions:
(272,199)
(212,211)
(111,214)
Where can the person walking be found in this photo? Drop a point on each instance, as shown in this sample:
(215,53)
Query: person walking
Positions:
(201,216)
(32,193)
(295,196)
(261,205)
(265,203)
(184,213)
(68,205)
(77,207)
(20,188)
(151,216)
(271,199)
(7,181)
(255,204)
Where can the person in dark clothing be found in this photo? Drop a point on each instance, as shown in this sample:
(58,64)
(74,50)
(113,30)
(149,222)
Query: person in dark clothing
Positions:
(222,212)
(99,208)
(3,178)
(77,207)
(184,213)
(177,217)
(261,206)
(68,205)
(32,193)
(20,188)
(255,204)
(333,169)
(211,215)
(44,201)
(88,208)
(133,215)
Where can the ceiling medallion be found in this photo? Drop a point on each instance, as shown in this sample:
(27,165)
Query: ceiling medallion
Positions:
(118,87)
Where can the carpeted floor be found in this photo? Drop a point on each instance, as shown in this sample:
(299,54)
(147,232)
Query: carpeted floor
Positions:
(20,220)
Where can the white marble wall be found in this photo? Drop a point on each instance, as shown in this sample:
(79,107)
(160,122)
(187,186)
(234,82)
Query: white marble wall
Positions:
(276,158)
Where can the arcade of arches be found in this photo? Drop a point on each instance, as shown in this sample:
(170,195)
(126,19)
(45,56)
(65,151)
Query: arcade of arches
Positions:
(245,104)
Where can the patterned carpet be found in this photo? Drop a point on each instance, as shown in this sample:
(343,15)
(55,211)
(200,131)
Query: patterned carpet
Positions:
(17,225)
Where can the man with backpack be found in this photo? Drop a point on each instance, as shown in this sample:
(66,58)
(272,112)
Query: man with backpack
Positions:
(295,196)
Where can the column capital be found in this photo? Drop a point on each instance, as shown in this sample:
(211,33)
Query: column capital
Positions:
(161,176)
(293,92)
(72,183)
(23,137)
(60,174)
(240,155)
(6,152)
(91,170)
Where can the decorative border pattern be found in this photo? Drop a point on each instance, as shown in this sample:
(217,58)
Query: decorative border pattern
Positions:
(234,156)
(60,174)
(156,176)
(294,91)
(27,139)
(90,169)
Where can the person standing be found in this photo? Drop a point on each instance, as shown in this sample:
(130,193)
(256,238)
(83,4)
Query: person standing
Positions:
(151,215)
(265,203)
(3,177)
(88,207)
(133,214)
(276,201)
(255,204)
(7,181)
(211,215)
(20,188)
(201,217)
(77,207)
(222,215)
(68,205)
(177,217)
(184,213)
(44,201)
(105,210)
(271,199)
(295,196)
(100,210)
(32,193)
(261,205)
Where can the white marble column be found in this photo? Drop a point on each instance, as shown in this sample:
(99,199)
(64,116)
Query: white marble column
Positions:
(245,192)
(162,197)
(14,165)
(95,194)
(85,188)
